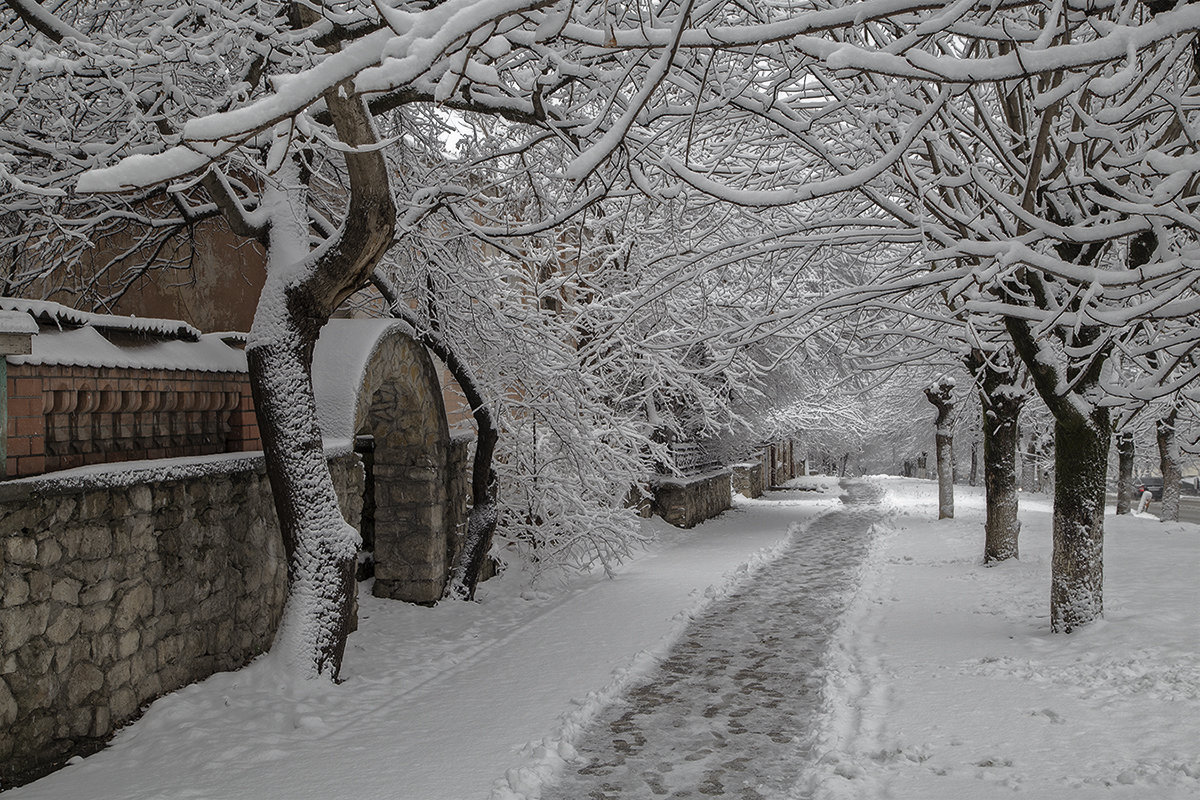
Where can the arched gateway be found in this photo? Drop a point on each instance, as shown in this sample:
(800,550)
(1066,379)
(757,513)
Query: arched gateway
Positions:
(374,383)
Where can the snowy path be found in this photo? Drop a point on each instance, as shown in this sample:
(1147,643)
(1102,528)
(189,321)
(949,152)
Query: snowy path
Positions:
(457,702)
(727,712)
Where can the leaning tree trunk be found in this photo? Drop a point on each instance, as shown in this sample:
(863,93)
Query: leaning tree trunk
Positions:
(301,292)
(1125,455)
(941,394)
(321,547)
(1168,453)
(1081,444)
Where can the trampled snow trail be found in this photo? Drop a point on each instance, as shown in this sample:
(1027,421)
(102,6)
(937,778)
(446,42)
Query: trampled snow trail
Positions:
(727,713)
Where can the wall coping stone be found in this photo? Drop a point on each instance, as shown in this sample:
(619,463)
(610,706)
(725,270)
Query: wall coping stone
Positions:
(687,480)
(123,474)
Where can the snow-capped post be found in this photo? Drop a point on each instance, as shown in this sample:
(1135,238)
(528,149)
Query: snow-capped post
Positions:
(1168,454)
(1125,454)
(1002,395)
(941,394)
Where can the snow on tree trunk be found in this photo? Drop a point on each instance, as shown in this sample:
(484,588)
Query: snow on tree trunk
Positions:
(321,547)
(1001,528)
(303,287)
(1168,453)
(941,394)
(1081,444)
(1124,472)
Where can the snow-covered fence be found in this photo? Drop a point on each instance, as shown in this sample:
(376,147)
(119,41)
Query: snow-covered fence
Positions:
(122,583)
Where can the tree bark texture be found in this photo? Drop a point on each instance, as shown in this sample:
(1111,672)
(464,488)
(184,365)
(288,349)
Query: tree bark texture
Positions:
(1002,528)
(1168,454)
(941,394)
(1077,569)
(1002,396)
(1125,453)
(974,479)
(1082,435)
(301,292)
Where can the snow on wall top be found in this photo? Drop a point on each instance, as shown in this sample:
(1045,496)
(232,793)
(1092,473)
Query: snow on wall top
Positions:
(67,337)
(86,347)
(58,315)
(339,367)
(17,322)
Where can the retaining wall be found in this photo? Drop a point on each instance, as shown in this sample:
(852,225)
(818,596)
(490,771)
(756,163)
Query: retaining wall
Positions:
(121,586)
(749,479)
(686,502)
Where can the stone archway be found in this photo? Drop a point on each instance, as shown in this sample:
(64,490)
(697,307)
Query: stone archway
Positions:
(372,379)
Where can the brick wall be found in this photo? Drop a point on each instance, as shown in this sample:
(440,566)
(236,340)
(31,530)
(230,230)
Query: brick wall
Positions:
(61,417)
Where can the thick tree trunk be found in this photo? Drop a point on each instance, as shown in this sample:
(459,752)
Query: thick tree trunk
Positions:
(321,548)
(302,290)
(1001,528)
(941,394)
(1077,569)
(1082,436)
(1168,453)
(1125,455)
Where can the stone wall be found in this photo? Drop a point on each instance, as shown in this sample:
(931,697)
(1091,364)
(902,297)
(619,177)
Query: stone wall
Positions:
(686,502)
(749,479)
(121,587)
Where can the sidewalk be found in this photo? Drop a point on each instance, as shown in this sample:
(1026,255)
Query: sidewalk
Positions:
(451,703)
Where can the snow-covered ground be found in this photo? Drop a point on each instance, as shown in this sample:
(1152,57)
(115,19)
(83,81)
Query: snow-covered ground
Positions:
(943,682)
(465,700)
(948,683)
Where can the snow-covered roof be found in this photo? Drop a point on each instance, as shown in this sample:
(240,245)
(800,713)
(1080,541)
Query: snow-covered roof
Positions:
(56,314)
(86,347)
(339,365)
(68,337)
(17,322)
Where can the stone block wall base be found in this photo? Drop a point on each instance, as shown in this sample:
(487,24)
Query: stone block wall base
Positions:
(422,593)
(688,502)
(116,593)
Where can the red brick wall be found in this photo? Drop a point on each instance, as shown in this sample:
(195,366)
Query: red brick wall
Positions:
(61,417)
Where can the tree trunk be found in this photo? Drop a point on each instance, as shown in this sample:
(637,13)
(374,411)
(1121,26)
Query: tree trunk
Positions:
(321,548)
(1081,447)
(1002,396)
(1124,472)
(1029,471)
(941,394)
(974,479)
(1168,453)
(302,290)
(1001,528)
